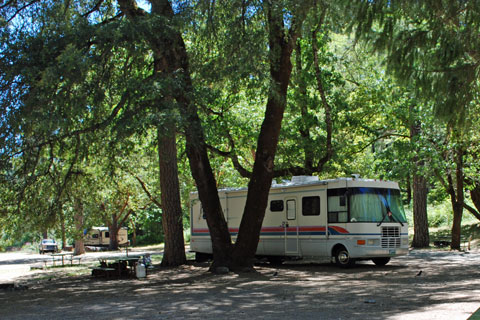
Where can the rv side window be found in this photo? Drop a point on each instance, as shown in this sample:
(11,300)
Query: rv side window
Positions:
(276,205)
(107,234)
(337,205)
(202,214)
(94,236)
(311,206)
(291,210)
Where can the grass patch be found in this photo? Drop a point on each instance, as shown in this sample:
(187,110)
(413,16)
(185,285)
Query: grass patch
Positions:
(470,234)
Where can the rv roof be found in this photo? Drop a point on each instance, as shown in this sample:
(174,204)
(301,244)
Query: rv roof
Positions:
(298,181)
(104,228)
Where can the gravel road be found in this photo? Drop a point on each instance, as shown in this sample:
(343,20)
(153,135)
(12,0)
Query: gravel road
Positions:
(426,284)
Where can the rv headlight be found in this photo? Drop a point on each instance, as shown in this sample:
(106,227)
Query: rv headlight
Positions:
(404,241)
(373,242)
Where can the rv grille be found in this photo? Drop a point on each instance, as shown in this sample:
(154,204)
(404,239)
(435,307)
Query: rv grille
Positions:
(390,237)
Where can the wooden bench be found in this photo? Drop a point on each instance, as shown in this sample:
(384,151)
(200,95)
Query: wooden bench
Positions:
(445,241)
(102,271)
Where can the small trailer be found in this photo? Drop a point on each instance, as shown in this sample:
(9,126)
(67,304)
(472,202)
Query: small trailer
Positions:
(345,219)
(100,236)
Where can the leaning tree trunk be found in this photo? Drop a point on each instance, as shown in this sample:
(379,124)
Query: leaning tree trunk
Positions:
(174,251)
(171,63)
(281,45)
(171,59)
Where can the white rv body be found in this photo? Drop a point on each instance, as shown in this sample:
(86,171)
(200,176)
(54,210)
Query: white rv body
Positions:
(100,236)
(348,219)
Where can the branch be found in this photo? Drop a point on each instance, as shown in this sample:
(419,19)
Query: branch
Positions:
(472,210)
(95,8)
(20,9)
(126,217)
(103,212)
(69,173)
(145,189)
(94,127)
(125,204)
(3,6)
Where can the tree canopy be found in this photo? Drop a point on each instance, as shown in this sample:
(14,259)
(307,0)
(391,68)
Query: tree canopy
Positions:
(112,111)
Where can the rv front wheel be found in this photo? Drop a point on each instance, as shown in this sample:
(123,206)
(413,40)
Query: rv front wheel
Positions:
(343,259)
(381,261)
(202,257)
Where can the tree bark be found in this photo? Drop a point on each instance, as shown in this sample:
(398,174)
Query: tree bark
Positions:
(458,201)
(281,46)
(62,227)
(113,232)
(409,189)
(174,251)
(171,61)
(421,236)
(78,218)
(134,233)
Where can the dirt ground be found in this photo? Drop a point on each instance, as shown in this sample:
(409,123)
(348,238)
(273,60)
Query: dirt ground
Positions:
(426,284)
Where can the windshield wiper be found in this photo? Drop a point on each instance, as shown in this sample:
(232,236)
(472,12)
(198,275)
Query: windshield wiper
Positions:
(383,219)
(395,220)
(389,212)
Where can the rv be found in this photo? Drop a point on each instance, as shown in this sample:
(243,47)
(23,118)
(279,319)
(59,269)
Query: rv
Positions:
(344,220)
(100,236)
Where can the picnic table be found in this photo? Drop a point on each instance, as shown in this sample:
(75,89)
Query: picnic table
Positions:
(116,266)
(62,255)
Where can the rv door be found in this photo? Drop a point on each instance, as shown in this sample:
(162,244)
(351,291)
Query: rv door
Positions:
(290,226)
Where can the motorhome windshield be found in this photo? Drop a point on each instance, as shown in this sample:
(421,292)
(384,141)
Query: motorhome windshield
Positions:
(376,205)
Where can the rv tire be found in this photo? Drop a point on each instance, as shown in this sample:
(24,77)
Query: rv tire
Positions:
(275,260)
(381,261)
(202,257)
(343,259)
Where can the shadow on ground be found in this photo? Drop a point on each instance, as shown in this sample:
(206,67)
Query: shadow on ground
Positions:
(442,285)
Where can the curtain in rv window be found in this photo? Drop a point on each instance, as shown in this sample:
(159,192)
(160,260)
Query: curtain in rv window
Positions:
(374,204)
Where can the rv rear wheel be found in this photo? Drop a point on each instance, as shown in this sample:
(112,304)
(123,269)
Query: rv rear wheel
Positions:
(343,259)
(381,261)
(275,260)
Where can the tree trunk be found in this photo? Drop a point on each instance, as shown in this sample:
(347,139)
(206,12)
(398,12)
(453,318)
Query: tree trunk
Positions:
(62,227)
(281,47)
(457,202)
(78,218)
(174,251)
(171,61)
(409,190)
(421,237)
(113,232)
(134,233)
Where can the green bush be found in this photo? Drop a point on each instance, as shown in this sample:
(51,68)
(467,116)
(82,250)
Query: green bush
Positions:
(440,215)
